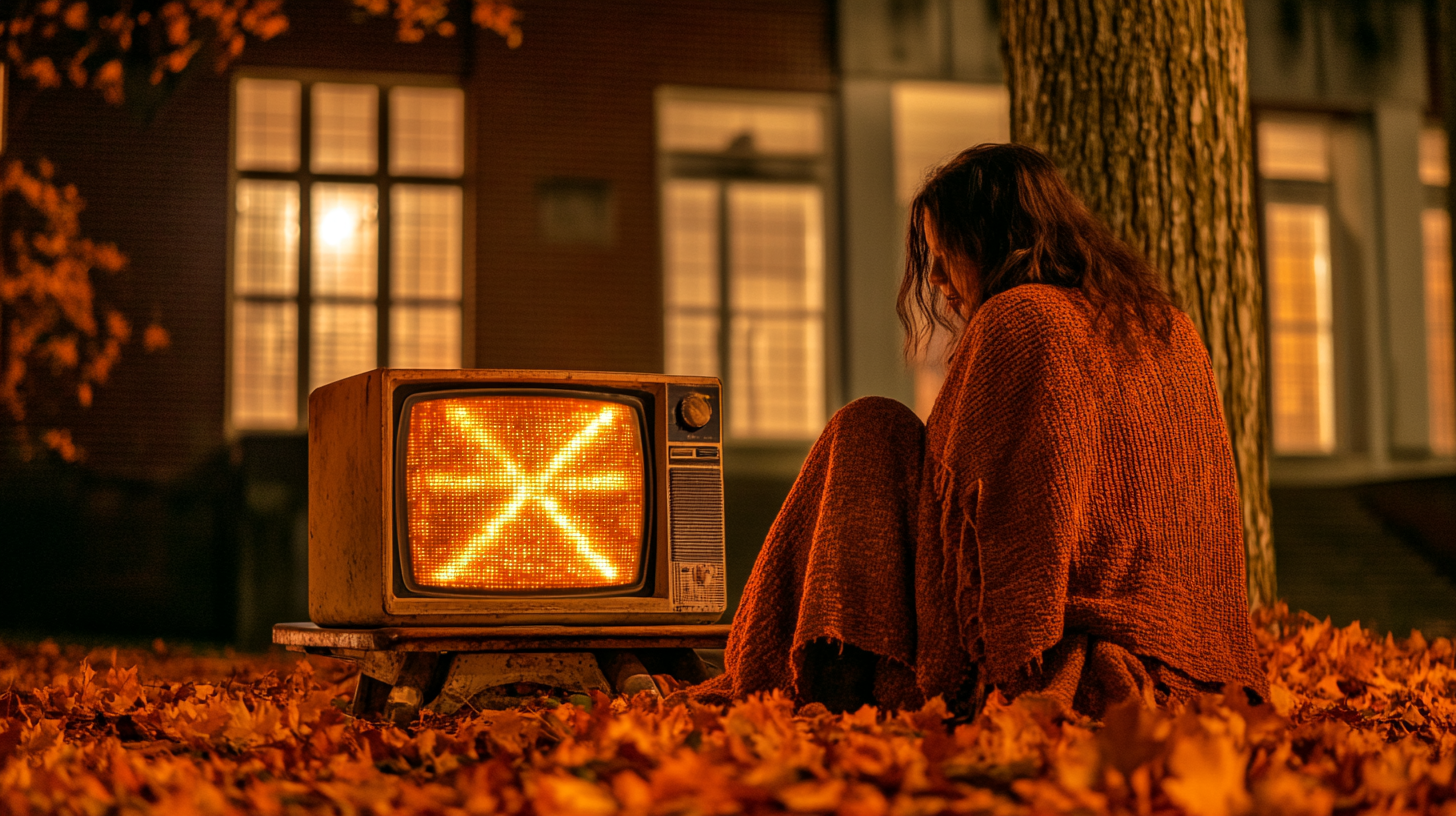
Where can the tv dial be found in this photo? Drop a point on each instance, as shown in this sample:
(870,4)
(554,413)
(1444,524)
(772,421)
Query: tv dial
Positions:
(694,411)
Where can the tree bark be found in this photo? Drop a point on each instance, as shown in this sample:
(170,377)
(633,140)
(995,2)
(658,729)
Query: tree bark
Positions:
(1144,105)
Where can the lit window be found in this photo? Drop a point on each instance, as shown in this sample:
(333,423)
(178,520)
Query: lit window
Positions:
(1440,333)
(425,287)
(1294,150)
(691,255)
(265,364)
(426,132)
(776,322)
(345,129)
(267,124)
(712,126)
(1301,337)
(1440,360)
(934,121)
(1294,162)
(311,309)
(1434,158)
(743,256)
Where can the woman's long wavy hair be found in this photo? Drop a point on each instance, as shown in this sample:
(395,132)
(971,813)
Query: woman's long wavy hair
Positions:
(1004,212)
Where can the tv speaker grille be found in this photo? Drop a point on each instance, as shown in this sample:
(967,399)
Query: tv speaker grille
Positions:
(695,509)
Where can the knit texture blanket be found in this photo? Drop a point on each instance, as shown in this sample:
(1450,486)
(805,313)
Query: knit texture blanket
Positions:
(1067,522)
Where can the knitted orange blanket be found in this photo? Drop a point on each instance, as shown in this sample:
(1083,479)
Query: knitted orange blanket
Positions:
(1066,522)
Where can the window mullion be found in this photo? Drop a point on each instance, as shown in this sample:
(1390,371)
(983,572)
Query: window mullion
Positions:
(384,254)
(305,250)
(725,304)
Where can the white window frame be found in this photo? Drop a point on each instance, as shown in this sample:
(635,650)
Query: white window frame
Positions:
(383,181)
(1298,186)
(728,167)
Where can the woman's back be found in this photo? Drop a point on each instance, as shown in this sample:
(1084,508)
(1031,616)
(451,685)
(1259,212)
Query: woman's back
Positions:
(1095,488)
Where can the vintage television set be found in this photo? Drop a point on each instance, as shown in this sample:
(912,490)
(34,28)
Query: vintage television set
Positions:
(495,497)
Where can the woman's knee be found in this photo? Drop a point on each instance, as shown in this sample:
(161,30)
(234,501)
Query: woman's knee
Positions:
(882,413)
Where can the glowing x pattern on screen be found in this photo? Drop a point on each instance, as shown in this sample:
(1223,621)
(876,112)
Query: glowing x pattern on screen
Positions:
(527,488)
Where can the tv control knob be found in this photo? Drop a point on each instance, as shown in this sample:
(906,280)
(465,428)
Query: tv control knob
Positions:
(694,411)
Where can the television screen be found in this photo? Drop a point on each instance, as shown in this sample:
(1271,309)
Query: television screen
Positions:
(523,492)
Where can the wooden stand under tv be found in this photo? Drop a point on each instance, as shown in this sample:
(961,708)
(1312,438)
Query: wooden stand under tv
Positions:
(403,669)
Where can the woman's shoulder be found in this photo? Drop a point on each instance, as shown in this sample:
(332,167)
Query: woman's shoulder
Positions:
(1047,310)
(1026,326)
(1035,299)
(1033,311)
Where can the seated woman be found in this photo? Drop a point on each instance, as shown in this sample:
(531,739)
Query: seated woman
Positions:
(1067,521)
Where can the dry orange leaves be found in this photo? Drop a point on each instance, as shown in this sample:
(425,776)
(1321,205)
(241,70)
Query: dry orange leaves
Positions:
(93,44)
(54,322)
(1355,724)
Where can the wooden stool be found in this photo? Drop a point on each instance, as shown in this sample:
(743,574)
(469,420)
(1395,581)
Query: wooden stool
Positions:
(442,668)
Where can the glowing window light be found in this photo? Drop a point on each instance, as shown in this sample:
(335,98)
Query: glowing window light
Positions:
(1440,337)
(524,493)
(345,239)
(1301,329)
(339,226)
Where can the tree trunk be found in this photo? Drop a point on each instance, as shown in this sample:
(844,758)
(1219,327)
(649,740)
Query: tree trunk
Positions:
(1144,105)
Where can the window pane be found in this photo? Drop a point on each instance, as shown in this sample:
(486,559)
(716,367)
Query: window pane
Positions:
(345,239)
(1301,342)
(933,121)
(424,337)
(425,241)
(265,238)
(265,365)
(343,341)
(702,126)
(267,124)
(692,342)
(777,378)
(1440,334)
(426,131)
(776,286)
(1435,163)
(345,129)
(690,243)
(690,249)
(1294,150)
(776,246)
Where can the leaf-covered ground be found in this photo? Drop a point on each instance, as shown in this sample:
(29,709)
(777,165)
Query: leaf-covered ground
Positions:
(1356,724)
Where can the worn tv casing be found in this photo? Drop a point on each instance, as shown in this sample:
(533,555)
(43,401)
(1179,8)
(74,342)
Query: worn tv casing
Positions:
(354,577)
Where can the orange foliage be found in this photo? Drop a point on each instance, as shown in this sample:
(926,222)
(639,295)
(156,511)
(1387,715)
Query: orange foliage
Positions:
(47,296)
(156,338)
(90,46)
(1356,724)
(417,18)
(51,42)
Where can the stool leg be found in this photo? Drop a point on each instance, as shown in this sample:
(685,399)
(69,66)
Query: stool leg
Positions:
(626,673)
(408,694)
(369,696)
